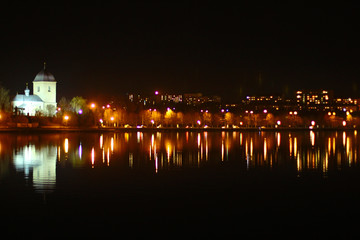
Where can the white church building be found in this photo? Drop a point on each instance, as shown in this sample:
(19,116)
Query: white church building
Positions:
(43,99)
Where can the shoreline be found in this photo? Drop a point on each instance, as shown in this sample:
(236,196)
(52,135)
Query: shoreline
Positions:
(162,129)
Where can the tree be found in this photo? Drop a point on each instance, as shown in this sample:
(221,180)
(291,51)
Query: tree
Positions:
(5,104)
(50,110)
(79,103)
(64,104)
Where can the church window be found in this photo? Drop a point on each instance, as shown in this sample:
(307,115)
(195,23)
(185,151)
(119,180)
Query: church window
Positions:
(49,89)
(38,89)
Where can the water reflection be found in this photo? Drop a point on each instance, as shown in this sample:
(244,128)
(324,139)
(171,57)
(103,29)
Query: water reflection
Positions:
(38,156)
(36,161)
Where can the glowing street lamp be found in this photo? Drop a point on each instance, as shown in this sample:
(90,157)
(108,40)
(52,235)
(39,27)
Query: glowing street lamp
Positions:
(66,118)
(92,105)
(112,120)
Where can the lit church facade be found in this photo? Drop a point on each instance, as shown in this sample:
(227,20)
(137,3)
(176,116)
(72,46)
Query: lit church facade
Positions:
(43,99)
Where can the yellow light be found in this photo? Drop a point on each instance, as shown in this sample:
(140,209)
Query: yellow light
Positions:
(312,138)
(112,118)
(92,105)
(66,145)
(66,117)
(112,144)
(92,157)
(344,123)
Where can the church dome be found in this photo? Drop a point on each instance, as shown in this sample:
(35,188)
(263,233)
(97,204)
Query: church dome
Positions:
(44,75)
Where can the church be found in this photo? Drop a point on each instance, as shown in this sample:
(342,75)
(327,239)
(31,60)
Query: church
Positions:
(43,100)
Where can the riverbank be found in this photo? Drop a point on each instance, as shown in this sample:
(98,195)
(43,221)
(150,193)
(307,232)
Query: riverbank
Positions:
(155,129)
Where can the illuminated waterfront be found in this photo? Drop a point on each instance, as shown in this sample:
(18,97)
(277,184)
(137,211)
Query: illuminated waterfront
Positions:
(197,176)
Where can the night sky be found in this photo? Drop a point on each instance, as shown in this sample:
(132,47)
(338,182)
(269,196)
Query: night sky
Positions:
(226,49)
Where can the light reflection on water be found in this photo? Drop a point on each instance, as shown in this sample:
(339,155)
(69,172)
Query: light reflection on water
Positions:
(38,156)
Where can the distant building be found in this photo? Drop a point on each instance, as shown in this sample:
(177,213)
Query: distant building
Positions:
(43,99)
(197,99)
(346,104)
(314,100)
(269,102)
(173,98)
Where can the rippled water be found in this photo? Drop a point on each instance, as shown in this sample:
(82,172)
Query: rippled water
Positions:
(207,175)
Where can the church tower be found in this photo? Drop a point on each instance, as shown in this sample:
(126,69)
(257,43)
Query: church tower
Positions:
(44,86)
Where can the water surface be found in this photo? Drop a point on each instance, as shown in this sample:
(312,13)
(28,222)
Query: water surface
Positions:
(240,182)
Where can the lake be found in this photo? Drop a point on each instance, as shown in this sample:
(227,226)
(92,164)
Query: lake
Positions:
(244,183)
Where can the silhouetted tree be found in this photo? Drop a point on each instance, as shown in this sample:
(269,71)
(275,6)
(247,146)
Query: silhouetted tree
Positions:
(5,104)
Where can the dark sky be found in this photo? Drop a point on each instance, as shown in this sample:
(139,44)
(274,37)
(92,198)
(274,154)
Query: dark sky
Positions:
(218,48)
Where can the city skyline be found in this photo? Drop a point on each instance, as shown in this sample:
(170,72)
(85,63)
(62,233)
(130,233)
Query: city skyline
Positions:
(228,50)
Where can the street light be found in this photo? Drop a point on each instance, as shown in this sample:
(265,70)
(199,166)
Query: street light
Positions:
(66,118)
(112,120)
